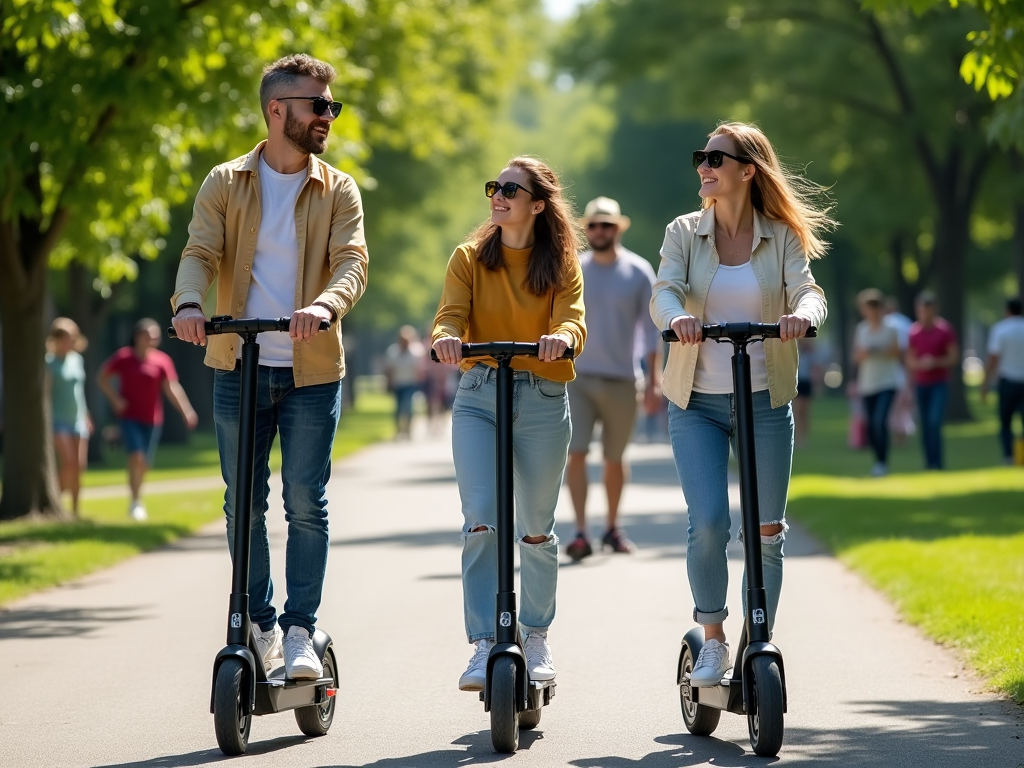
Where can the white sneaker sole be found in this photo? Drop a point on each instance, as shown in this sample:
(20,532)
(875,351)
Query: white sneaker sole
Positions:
(542,676)
(302,672)
(707,682)
(468,683)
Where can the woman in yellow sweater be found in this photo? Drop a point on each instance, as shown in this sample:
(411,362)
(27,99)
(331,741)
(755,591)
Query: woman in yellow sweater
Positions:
(517,279)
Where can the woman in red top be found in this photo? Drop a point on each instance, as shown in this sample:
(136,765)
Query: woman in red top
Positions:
(932,350)
(144,373)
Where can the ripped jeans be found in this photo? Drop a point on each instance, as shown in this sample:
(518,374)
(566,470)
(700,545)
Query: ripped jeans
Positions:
(700,436)
(540,430)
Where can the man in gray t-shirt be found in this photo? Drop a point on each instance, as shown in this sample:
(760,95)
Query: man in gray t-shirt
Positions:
(616,292)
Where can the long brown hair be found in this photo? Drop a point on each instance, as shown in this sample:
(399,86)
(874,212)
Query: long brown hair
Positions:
(557,235)
(779,193)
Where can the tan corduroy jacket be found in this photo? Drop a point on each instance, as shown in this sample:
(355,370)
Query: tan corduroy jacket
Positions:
(222,243)
(688,263)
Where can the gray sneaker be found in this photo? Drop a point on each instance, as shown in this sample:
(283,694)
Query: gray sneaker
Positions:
(269,645)
(711,665)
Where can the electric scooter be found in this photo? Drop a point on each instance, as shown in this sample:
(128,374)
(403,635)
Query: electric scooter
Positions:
(756,685)
(512,698)
(241,686)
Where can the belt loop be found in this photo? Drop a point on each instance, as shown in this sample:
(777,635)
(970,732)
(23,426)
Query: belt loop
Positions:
(533,380)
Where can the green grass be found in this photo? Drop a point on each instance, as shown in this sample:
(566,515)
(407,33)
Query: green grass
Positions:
(946,547)
(38,554)
(368,423)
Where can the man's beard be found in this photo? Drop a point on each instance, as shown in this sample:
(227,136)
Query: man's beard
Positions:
(302,136)
(602,243)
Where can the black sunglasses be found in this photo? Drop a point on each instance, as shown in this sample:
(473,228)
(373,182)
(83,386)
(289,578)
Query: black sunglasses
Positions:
(508,189)
(600,225)
(714,158)
(320,104)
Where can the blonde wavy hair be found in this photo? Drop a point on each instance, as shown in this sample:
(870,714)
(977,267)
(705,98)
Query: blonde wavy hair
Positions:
(778,192)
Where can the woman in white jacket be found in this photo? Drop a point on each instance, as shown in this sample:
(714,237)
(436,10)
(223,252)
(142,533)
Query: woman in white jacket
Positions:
(744,257)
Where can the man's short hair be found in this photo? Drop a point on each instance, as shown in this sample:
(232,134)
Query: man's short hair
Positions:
(1013,306)
(927,297)
(285,72)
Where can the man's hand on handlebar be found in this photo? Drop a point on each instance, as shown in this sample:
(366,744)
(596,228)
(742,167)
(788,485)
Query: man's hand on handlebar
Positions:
(689,329)
(305,323)
(448,350)
(190,324)
(552,347)
(793,327)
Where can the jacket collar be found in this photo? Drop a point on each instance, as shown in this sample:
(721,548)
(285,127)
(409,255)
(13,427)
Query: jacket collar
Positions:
(762,225)
(251,164)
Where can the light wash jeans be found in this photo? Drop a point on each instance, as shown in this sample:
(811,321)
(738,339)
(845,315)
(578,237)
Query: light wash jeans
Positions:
(541,431)
(700,436)
(306,418)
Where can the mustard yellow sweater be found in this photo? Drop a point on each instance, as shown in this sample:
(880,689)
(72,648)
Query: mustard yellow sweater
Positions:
(478,304)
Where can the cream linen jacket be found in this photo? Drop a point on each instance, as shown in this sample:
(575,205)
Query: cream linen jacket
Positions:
(688,263)
(331,270)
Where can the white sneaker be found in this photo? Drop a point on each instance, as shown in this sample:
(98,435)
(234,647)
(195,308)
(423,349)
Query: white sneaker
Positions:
(300,660)
(269,645)
(711,665)
(539,663)
(475,676)
(879,470)
(137,511)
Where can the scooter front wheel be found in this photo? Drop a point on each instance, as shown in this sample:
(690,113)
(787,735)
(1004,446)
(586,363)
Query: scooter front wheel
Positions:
(230,720)
(698,719)
(765,724)
(504,717)
(315,720)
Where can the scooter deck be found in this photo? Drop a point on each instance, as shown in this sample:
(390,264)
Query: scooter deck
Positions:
(727,695)
(276,694)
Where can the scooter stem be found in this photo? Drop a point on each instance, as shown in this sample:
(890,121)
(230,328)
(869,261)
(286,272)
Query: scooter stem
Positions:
(756,619)
(506,623)
(238,613)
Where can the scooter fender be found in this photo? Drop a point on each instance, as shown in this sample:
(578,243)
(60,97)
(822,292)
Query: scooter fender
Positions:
(245,654)
(321,643)
(694,640)
(522,678)
(752,651)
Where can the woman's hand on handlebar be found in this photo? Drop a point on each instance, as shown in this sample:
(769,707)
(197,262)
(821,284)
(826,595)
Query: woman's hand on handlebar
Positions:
(689,329)
(793,327)
(190,325)
(448,350)
(552,347)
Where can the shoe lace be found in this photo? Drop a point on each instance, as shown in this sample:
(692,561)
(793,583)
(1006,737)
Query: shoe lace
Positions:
(296,645)
(537,650)
(711,655)
(483,649)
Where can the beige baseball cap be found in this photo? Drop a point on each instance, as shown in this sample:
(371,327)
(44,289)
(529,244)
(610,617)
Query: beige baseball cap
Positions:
(605,209)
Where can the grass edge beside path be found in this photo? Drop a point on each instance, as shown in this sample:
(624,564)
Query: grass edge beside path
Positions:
(39,554)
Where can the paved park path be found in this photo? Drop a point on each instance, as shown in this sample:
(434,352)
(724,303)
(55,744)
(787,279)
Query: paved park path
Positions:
(114,669)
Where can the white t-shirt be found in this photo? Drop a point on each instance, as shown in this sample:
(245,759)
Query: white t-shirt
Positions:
(405,365)
(275,265)
(879,371)
(1006,339)
(734,296)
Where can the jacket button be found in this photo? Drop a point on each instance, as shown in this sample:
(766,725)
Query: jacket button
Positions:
(246,267)
(252,229)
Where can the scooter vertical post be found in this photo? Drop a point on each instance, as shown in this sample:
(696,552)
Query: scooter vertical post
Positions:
(756,631)
(238,621)
(507,622)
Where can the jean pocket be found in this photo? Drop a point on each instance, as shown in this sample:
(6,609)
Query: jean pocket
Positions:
(554,390)
(473,378)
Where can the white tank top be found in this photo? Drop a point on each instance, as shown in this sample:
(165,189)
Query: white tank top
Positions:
(733,297)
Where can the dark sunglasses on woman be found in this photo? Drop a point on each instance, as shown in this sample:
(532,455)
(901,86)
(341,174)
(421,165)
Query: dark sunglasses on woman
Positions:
(508,189)
(714,158)
(320,104)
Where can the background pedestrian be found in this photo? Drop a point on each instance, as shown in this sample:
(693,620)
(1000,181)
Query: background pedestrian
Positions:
(72,425)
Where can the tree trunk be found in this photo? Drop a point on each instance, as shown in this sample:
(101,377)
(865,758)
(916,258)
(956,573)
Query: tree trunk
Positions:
(951,243)
(29,475)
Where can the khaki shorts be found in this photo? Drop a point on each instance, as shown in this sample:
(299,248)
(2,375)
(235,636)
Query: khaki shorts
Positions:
(613,402)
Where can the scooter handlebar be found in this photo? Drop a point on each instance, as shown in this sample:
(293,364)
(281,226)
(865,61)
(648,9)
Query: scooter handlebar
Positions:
(738,332)
(503,349)
(219,325)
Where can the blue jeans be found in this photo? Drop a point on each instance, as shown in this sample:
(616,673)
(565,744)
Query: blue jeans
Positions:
(877,405)
(541,431)
(1011,401)
(931,400)
(701,436)
(306,418)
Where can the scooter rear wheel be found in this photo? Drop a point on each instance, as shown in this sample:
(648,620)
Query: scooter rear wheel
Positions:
(316,720)
(230,720)
(504,717)
(698,719)
(529,719)
(765,725)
